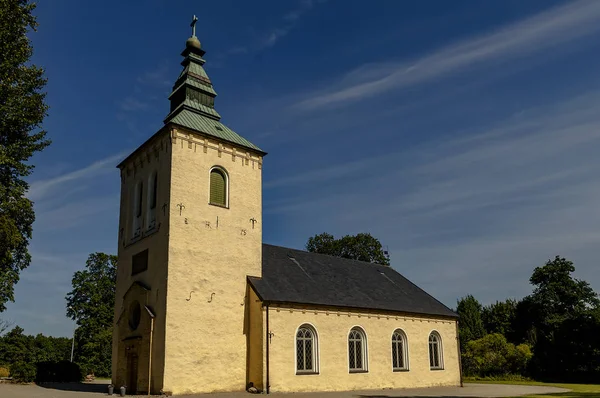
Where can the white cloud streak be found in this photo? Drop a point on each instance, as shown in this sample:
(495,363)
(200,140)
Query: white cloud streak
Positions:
(40,189)
(527,37)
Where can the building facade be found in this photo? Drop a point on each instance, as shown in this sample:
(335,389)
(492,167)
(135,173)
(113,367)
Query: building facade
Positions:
(202,305)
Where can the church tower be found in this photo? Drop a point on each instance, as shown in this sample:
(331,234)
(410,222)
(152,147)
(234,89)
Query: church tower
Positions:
(190,232)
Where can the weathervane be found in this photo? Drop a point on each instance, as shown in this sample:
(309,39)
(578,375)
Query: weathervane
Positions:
(193,25)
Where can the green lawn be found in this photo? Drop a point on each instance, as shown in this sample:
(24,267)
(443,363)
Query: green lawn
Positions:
(577,390)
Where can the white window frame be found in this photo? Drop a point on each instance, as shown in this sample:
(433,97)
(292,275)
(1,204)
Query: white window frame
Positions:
(404,351)
(152,189)
(364,350)
(440,350)
(222,170)
(315,350)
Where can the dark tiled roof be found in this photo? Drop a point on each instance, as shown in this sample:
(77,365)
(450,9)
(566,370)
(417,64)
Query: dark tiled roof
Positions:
(294,276)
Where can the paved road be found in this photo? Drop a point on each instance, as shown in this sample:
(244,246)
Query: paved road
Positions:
(470,390)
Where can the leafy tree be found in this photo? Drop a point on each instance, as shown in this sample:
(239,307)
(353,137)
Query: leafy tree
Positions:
(91,305)
(470,323)
(22,110)
(362,247)
(500,317)
(4,325)
(563,312)
(493,355)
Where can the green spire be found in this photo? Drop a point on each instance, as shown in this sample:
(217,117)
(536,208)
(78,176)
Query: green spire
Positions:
(193,97)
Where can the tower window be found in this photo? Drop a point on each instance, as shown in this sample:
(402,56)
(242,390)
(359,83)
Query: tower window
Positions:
(152,198)
(137,209)
(218,187)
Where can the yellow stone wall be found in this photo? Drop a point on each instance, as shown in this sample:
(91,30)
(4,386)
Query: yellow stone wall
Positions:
(255,334)
(154,155)
(211,251)
(333,327)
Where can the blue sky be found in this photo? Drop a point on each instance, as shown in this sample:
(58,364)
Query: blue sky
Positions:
(464,135)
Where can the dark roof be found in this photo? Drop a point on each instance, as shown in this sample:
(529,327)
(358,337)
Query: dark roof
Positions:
(295,276)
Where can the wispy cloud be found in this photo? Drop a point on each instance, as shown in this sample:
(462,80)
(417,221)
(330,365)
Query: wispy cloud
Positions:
(289,22)
(480,209)
(39,189)
(157,77)
(130,104)
(524,38)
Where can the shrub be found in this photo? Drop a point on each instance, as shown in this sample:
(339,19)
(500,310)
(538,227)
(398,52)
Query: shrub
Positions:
(22,372)
(492,355)
(61,371)
(4,371)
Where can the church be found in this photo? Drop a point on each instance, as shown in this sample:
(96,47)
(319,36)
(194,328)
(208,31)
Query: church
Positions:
(203,305)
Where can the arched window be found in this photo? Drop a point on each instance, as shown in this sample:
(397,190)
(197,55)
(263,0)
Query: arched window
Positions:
(306,350)
(218,187)
(399,351)
(137,208)
(152,198)
(435,351)
(135,315)
(357,350)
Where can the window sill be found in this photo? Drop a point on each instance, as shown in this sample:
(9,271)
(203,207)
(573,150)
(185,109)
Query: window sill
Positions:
(142,235)
(401,370)
(436,369)
(358,371)
(218,205)
(306,373)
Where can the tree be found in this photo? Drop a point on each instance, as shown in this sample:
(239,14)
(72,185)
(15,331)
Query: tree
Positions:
(500,317)
(22,110)
(91,305)
(492,355)
(362,247)
(469,321)
(563,312)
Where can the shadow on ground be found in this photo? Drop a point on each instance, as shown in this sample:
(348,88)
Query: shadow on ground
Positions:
(81,387)
(570,394)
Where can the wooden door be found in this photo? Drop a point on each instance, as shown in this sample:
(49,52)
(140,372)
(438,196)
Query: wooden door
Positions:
(132,373)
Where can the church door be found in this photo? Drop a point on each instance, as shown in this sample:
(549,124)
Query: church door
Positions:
(132,373)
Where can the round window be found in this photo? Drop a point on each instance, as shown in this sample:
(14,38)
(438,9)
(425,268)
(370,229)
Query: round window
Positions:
(135,314)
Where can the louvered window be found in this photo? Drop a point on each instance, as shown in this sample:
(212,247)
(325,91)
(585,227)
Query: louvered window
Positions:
(399,351)
(435,351)
(306,350)
(357,351)
(218,188)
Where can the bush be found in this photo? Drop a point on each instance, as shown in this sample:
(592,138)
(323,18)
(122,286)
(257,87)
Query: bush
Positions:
(492,355)
(4,371)
(61,371)
(22,372)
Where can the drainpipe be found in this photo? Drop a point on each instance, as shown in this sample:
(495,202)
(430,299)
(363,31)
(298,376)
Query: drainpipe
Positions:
(268,343)
(459,357)
(150,356)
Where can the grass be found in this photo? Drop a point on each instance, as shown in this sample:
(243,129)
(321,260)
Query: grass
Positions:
(577,390)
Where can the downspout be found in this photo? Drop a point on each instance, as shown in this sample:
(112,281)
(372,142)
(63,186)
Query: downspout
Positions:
(459,356)
(267,342)
(150,356)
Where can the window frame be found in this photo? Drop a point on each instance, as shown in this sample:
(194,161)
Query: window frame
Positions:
(315,350)
(364,350)
(222,170)
(405,361)
(440,351)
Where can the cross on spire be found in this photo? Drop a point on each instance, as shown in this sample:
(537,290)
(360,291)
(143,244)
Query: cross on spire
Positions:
(193,25)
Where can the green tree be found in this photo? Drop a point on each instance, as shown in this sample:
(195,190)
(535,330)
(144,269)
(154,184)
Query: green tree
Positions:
(22,110)
(493,355)
(563,314)
(469,322)
(91,305)
(499,317)
(362,247)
